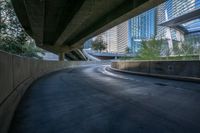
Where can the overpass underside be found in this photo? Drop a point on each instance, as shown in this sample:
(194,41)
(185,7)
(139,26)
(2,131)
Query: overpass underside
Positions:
(61,26)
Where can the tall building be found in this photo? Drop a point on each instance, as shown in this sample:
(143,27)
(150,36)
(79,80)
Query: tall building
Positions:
(197,3)
(166,22)
(88,44)
(173,21)
(142,27)
(116,38)
(122,37)
(171,12)
(110,38)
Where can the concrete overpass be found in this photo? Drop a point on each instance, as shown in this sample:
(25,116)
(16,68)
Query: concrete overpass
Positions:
(176,22)
(106,55)
(108,101)
(61,26)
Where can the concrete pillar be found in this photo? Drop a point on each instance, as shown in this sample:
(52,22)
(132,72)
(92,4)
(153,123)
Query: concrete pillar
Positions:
(180,36)
(61,56)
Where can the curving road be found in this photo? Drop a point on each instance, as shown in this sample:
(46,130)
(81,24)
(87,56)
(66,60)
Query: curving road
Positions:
(92,99)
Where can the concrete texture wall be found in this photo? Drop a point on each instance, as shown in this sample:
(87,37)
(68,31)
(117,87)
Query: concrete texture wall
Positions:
(16,75)
(183,70)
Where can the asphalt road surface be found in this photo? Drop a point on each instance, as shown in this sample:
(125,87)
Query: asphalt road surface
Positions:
(90,99)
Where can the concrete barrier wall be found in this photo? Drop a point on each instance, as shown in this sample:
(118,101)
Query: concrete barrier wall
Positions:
(183,70)
(16,74)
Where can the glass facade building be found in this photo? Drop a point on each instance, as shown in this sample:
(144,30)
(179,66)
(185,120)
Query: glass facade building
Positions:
(147,25)
(183,24)
(88,44)
(141,27)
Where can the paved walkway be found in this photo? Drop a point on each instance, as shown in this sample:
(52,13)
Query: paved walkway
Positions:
(92,100)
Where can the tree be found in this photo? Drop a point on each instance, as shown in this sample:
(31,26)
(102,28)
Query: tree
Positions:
(13,39)
(157,49)
(98,44)
(150,49)
(128,50)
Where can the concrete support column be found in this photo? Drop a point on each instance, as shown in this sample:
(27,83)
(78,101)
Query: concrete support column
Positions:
(61,56)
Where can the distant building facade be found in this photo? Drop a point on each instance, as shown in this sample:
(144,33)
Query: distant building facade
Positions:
(173,9)
(147,26)
(88,44)
(116,39)
(110,38)
(142,27)
(122,37)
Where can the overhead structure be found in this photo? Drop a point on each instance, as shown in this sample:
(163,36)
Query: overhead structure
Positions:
(61,26)
(186,23)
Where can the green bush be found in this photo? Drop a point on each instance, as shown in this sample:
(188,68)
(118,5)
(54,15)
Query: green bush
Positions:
(158,50)
(150,50)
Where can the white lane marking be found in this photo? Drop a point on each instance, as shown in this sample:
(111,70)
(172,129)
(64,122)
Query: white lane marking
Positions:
(173,85)
(104,71)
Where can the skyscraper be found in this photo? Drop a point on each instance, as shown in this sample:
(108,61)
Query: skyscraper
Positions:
(173,11)
(116,38)
(197,3)
(88,44)
(122,37)
(150,24)
(147,25)
(142,27)
(110,38)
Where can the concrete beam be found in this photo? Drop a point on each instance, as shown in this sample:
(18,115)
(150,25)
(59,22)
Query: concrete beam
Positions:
(22,15)
(123,12)
(65,25)
(57,49)
(35,17)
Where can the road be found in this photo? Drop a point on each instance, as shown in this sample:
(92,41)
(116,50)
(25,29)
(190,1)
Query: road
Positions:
(91,99)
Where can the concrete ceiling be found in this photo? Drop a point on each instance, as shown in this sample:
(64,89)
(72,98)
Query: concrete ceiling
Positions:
(64,25)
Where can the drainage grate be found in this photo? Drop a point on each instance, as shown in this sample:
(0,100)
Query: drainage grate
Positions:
(160,84)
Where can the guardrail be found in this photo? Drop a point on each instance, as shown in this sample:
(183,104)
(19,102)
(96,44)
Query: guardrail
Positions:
(179,70)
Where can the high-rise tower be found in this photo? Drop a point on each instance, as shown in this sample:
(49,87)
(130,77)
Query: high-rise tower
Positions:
(142,27)
(116,38)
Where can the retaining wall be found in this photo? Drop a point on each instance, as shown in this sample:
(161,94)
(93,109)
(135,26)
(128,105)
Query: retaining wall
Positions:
(16,74)
(181,70)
